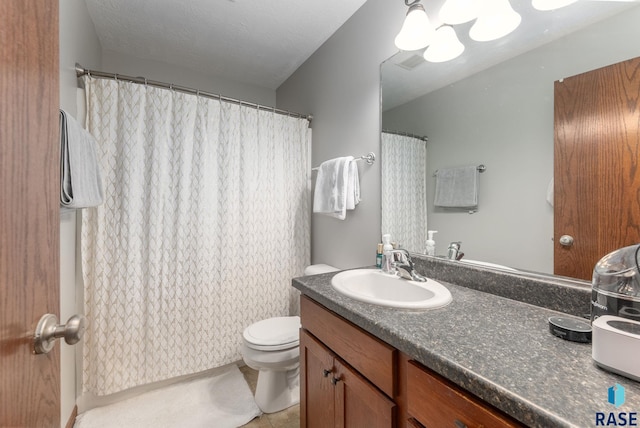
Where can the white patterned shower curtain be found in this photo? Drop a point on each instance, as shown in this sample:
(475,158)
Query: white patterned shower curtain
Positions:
(205,222)
(404,190)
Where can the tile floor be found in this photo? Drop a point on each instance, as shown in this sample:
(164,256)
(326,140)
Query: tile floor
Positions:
(288,418)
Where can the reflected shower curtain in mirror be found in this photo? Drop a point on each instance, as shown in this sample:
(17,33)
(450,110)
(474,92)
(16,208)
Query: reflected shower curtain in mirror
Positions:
(205,222)
(404,191)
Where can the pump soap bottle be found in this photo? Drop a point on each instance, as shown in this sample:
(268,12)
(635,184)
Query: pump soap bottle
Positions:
(431,244)
(387,265)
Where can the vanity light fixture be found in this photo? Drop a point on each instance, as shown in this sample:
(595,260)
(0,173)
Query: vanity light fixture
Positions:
(496,19)
(445,46)
(416,32)
(493,19)
(458,11)
(551,4)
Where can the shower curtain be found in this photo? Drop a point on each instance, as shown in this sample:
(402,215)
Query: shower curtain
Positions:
(205,222)
(404,190)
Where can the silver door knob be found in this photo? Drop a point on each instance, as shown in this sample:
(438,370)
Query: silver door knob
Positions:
(48,330)
(566,240)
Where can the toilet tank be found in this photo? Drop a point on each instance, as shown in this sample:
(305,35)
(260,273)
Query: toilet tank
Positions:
(318,269)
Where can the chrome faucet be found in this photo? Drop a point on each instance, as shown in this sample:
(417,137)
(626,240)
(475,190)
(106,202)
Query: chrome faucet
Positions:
(454,252)
(404,267)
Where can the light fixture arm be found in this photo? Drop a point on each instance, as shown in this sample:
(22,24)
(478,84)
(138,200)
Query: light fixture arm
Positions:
(408,3)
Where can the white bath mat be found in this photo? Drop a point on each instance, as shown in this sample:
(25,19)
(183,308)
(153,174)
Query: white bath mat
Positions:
(222,401)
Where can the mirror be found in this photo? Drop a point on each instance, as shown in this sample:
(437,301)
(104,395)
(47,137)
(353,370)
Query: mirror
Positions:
(492,106)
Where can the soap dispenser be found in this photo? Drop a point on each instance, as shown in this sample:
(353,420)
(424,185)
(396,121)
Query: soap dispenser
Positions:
(431,244)
(387,262)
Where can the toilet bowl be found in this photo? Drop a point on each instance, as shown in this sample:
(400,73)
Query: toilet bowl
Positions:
(271,346)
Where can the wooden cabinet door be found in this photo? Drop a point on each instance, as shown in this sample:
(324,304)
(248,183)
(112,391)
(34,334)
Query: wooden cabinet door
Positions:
(358,402)
(317,403)
(596,161)
(334,395)
(29,212)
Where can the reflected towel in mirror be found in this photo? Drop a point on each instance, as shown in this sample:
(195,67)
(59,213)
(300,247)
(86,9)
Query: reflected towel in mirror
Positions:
(457,187)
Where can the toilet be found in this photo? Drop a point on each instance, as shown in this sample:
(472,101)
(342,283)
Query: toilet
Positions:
(272,347)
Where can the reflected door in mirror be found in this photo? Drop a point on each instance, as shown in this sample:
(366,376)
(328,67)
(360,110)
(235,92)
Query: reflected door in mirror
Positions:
(596,161)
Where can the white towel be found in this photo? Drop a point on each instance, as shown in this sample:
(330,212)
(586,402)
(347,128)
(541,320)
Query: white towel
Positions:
(457,187)
(80,180)
(337,187)
(353,185)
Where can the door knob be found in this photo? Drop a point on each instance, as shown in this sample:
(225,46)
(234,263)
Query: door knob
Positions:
(566,240)
(48,330)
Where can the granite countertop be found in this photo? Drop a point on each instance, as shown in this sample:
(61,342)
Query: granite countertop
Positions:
(494,347)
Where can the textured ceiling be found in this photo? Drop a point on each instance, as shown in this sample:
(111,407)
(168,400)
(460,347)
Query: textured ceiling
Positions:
(256,42)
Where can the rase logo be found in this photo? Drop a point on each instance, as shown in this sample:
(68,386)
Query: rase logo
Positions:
(615,396)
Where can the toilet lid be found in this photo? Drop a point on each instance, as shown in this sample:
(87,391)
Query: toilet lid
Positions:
(273,333)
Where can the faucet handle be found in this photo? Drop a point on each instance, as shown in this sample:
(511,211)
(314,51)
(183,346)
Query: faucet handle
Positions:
(401,256)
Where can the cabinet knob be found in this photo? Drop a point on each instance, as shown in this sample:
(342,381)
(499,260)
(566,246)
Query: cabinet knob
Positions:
(326,372)
(334,381)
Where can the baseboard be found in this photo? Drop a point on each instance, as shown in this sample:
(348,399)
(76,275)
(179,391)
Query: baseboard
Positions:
(72,417)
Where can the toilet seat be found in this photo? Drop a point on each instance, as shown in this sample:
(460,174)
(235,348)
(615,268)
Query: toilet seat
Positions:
(273,334)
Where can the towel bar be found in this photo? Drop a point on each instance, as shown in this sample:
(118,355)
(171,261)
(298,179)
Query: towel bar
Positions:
(369,157)
(481,168)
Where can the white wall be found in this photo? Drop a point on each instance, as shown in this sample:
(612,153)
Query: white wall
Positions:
(78,43)
(503,118)
(340,85)
(169,73)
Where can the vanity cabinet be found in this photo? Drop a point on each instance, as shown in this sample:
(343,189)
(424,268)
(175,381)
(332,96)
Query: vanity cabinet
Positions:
(350,378)
(335,395)
(341,371)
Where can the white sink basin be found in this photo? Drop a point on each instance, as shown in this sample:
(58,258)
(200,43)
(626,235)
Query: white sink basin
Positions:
(374,286)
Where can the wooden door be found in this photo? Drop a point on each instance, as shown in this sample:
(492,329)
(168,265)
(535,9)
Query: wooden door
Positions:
(316,390)
(596,166)
(29,213)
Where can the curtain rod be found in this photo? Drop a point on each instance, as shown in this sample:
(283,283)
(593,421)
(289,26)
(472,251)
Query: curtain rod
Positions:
(406,134)
(81,71)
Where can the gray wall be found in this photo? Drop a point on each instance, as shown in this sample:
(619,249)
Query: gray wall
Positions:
(503,118)
(340,85)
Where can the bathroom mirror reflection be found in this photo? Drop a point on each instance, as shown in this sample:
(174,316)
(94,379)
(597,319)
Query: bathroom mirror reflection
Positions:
(494,105)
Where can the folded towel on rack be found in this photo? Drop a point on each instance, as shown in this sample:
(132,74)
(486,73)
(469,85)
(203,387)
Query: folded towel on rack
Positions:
(457,187)
(80,180)
(337,187)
